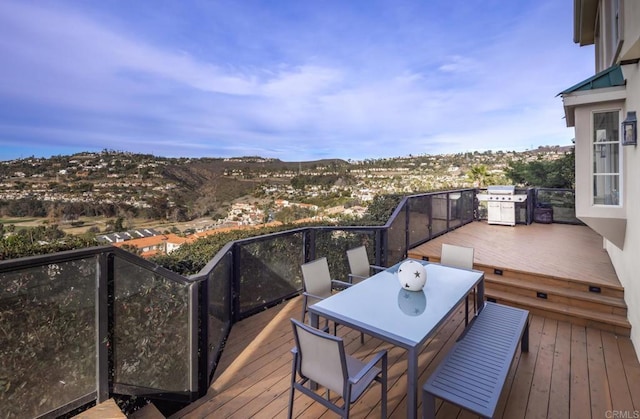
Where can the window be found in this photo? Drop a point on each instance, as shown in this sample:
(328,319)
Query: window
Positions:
(606,158)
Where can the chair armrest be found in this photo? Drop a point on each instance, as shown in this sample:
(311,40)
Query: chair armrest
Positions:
(351,276)
(307,294)
(379,356)
(340,284)
(377,268)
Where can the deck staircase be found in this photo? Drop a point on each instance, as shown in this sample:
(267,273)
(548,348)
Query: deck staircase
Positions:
(601,307)
(110,410)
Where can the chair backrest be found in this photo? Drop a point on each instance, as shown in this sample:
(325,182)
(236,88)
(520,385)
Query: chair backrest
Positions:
(316,277)
(358,261)
(457,256)
(321,357)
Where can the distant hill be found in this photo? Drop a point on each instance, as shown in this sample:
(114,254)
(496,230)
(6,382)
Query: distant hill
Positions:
(112,183)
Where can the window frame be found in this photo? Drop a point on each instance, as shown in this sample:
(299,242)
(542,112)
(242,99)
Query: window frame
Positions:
(593,144)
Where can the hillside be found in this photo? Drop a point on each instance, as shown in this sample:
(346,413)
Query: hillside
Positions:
(120,184)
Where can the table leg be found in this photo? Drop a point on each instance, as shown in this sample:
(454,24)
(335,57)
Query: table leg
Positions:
(314,320)
(412,383)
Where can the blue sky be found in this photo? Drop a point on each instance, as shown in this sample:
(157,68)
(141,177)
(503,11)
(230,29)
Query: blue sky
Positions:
(296,80)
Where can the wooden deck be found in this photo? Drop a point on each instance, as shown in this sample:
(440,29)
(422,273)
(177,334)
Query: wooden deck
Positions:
(556,271)
(572,370)
(569,372)
(556,250)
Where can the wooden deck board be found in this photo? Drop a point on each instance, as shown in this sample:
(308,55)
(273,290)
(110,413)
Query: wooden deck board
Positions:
(547,249)
(579,389)
(561,374)
(568,366)
(598,379)
(631,370)
(618,387)
(538,403)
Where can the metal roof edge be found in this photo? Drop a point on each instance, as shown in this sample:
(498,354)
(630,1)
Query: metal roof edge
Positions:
(610,77)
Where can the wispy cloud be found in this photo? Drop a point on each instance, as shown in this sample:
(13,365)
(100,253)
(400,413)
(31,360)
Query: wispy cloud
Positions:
(285,80)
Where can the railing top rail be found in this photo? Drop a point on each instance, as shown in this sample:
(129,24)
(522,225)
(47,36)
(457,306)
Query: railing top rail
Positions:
(153,267)
(64,256)
(404,200)
(554,189)
(206,269)
(446,191)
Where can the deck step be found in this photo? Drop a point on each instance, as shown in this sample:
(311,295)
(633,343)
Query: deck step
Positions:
(584,317)
(558,294)
(532,277)
(106,409)
(109,409)
(559,282)
(149,411)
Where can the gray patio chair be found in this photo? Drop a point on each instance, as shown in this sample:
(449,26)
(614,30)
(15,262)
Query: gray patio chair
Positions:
(459,257)
(318,285)
(317,282)
(320,358)
(359,264)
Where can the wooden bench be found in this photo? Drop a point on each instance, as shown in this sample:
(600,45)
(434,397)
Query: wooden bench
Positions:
(474,372)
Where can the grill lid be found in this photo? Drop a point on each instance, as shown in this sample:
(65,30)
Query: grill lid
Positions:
(501,189)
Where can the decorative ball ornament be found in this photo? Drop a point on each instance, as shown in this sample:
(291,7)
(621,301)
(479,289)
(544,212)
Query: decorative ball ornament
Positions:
(412,275)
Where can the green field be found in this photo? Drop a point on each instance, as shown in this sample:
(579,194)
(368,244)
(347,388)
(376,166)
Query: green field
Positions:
(7,221)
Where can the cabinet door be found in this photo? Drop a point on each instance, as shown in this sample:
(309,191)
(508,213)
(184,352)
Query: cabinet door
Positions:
(493,211)
(508,212)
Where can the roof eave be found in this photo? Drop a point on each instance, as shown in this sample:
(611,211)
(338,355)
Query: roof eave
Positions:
(584,21)
(587,97)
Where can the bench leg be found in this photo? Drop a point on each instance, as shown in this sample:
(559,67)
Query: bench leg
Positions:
(466,311)
(524,343)
(428,405)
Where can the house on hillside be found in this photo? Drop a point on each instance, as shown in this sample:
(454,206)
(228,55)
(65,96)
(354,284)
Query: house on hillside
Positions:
(127,235)
(154,245)
(603,110)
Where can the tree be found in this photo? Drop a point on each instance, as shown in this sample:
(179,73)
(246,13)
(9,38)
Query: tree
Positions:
(541,173)
(478,174)
(381,208)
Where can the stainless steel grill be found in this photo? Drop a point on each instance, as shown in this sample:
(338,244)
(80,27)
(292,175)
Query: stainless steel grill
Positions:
(501,204)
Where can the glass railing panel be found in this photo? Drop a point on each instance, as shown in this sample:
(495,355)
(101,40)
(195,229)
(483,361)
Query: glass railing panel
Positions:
(455,209)
(269,270)
(441,211)
(561,201)
(419,219)
(47,336)
(465,206)
(333,244)
(521,212)
(151,329)
(482,209)
(219,310)
(397,237)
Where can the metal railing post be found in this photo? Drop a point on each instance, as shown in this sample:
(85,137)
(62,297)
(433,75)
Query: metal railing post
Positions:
(448,211)
(406,228)
(381,249)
